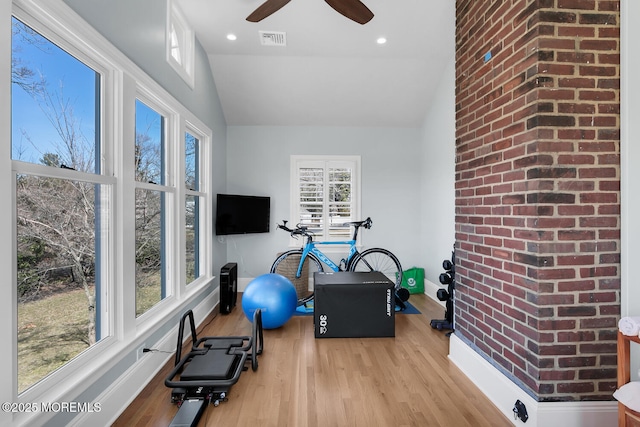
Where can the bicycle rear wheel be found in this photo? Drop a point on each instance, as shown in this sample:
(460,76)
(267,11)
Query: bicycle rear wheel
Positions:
(378,259)
(287,265)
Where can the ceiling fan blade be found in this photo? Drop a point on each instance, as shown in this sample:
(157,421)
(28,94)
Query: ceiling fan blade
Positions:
(266,9)
(352,9)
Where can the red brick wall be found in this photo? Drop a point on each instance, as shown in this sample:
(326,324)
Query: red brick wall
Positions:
(538,191)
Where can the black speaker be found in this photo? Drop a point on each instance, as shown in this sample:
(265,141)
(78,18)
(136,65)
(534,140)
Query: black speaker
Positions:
(228,287)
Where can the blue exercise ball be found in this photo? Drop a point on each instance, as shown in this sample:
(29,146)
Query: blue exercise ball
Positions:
(275,295)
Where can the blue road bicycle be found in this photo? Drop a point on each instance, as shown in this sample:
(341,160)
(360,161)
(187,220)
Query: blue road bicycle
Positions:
(299,265)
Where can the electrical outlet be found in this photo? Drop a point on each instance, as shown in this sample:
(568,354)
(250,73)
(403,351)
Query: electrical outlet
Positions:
(520,411)
(140,352)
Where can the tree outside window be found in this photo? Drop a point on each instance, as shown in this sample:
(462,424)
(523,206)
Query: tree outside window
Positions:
(60,204)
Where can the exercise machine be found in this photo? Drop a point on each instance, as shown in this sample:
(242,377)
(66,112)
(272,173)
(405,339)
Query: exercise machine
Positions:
(207,372)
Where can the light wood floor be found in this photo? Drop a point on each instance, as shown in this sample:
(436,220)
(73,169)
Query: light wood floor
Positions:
(302,381)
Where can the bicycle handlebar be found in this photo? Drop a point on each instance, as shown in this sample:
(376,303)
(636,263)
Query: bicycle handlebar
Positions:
(303,230)
(298,230)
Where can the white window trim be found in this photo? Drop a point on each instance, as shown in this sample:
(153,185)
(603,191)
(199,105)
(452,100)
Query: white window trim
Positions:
(185,68)
(49,23)
(121,78)
(168,189)
(197,130)
(295,161)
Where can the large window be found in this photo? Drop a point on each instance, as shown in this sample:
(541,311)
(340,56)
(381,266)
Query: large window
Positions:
(325,194)
(108,200)
(193,205)
(150,208)
(61,204)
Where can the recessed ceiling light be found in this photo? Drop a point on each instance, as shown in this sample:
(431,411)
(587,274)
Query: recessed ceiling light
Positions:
(381,40)
(231,37)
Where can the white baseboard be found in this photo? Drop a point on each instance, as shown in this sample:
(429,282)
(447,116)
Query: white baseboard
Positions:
(431,289)
(126,388)
(503,393)
(243,282)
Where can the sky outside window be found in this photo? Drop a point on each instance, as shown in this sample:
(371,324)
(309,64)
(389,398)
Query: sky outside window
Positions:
(53,100)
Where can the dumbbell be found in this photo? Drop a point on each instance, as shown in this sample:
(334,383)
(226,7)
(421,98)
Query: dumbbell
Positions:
(443,294)
(446,278)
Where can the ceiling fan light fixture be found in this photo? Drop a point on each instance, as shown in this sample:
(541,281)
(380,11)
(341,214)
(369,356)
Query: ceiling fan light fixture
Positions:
(231,37)
(381,40)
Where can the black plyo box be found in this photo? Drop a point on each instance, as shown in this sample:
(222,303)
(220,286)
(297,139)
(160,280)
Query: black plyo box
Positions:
(353,304)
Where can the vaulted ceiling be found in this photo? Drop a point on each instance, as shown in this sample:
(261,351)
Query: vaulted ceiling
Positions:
(331,71)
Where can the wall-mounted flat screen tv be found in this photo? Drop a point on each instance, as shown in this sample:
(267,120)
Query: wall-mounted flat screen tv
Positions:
(237,214)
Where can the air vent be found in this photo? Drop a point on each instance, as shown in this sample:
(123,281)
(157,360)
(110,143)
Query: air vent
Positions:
(273,38)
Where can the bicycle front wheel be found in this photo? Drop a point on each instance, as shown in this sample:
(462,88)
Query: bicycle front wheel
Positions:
(378,259)
(287,265)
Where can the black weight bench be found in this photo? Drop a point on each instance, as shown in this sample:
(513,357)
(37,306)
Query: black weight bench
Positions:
(206,374)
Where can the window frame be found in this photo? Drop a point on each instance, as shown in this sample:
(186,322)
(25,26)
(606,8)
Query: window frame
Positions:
(203,192)
(166,187)
(72,44)
(326,161)
(178,25)
(122,81)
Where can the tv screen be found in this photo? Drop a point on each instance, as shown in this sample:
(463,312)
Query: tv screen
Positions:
(236,214)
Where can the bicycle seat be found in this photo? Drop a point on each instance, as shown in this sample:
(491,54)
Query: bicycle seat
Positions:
(366,223)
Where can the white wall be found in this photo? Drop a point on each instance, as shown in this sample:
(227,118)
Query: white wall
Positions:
(258,164)
(630,173)
(437,208)
(408,178)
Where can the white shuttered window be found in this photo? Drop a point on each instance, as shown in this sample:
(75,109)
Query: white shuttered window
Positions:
(325,194)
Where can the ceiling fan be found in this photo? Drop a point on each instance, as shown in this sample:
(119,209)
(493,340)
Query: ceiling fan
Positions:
(352,9)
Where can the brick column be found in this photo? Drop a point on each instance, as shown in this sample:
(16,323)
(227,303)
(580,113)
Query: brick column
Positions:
(538,191)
